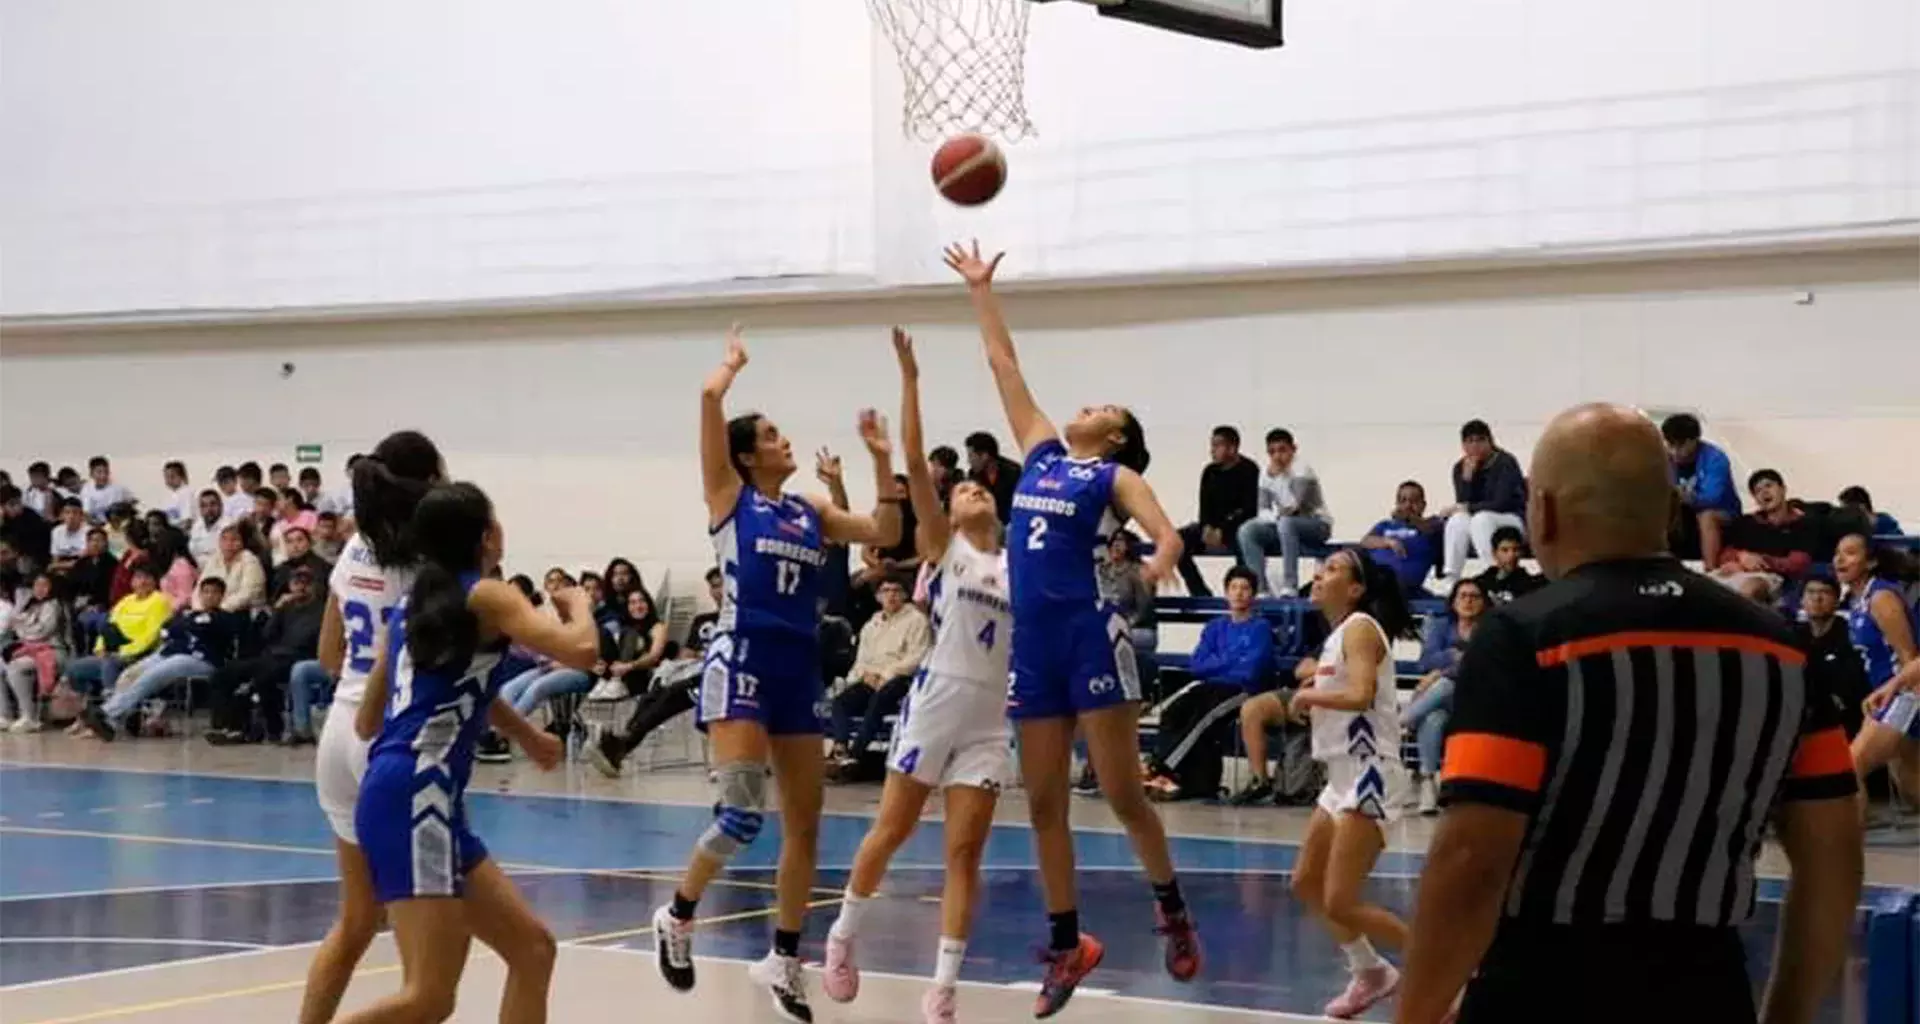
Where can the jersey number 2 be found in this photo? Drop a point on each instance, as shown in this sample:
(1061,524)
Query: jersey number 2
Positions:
(358,619)
(1036,533)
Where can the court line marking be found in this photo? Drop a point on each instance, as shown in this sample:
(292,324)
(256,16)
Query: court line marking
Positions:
(155,966)
(155,1006)
(122,940)
(135,890)
(602,798)
(1172,1004)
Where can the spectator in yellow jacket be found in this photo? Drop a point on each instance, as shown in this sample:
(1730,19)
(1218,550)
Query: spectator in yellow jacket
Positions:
(133,631)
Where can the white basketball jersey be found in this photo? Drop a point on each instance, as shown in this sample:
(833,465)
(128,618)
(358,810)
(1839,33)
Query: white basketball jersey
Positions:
(367,595)
(971,614)
(1348,734)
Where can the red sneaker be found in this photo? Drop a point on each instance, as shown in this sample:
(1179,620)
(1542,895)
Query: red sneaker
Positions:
(1183,943)
(1065,970)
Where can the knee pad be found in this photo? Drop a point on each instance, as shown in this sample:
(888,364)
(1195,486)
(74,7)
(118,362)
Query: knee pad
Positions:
(740,800)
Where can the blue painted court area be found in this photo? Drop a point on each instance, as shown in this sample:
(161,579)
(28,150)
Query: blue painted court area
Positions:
(102,870)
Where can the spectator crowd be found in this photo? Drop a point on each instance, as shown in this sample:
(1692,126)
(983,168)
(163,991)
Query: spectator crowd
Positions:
(109,613)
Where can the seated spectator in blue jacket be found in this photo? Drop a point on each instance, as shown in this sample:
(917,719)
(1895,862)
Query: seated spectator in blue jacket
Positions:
(1857,499)
(1708,499)
(1404,541)
(1233,661)
(1442,644)
(1489,492)
(1506,579)
(196,642)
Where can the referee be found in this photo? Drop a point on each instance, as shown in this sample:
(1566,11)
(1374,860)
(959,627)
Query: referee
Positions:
(1619,741)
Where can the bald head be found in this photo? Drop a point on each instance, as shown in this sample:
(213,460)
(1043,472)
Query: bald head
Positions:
(1600,487)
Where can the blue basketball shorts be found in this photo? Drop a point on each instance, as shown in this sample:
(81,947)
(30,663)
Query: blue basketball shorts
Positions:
(412,827)
(757,678)
(1902,713)
(1070,661)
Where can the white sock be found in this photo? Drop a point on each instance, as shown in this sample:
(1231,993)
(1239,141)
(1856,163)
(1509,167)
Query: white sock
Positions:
(1360,955)
(946,968)
(852,906)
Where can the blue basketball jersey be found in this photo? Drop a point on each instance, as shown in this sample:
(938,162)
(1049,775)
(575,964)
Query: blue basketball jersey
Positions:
(435,716)
(771,553)
(1876,654)
(1062,516)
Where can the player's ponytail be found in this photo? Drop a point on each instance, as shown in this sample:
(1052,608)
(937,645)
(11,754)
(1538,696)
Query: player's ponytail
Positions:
(1383,598)
(387,486)
(743,436)
(1132,452)
(449,526)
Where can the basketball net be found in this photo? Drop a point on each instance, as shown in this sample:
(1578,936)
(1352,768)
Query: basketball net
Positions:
(962,62)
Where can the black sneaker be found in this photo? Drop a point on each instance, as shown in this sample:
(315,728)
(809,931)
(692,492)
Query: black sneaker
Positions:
(606,752)
(493,749)
(1087,784)
(673,942)
(783,978)
(1256,792)
(96,722)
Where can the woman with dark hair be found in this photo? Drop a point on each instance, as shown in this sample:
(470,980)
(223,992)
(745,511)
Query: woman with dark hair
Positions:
(952,734)
(1073,666)
(620,576)
(174,570)
(642,643)
(1440,649)
(1353,709)
(34,660)
(761,689)
(443,654)
(373,575)
(1880,622)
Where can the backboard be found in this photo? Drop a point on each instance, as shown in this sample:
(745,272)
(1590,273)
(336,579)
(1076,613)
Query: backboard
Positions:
(1254,23)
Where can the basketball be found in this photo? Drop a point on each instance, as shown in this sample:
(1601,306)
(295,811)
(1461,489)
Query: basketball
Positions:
(969,169)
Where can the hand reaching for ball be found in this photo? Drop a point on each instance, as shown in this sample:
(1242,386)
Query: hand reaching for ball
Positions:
(967,262)
(873,432)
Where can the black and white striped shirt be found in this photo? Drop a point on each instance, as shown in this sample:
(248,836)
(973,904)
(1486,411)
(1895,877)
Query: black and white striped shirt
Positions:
(1647,720)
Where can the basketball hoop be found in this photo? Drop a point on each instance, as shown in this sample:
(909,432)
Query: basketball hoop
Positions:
(962,62)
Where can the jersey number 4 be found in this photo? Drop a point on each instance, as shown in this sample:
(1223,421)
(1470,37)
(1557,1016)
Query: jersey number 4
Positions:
(361,635)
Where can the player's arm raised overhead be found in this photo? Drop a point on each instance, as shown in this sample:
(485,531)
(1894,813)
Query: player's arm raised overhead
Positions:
(1030,425)
(1136,498)
(934,531)
(720,482)
(881,527)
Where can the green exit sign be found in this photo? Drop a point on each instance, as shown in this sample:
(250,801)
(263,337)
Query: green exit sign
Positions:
(304,453)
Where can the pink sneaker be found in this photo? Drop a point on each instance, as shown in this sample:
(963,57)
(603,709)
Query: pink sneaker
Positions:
(841,976)
(939,1005)
(1367,988)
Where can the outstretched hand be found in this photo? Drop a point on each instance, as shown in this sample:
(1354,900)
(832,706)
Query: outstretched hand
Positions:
(736,357)
(826,466)
(873,432)
(903,351)
(967,262)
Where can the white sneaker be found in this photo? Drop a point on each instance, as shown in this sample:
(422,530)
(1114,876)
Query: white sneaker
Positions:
(1429,797)
(939,1005)
(6,723)
(25,725)
(673,948)
(782,976)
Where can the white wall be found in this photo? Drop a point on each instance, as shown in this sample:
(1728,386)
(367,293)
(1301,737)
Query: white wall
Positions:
(245,153)
(582,426)
(241,154)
